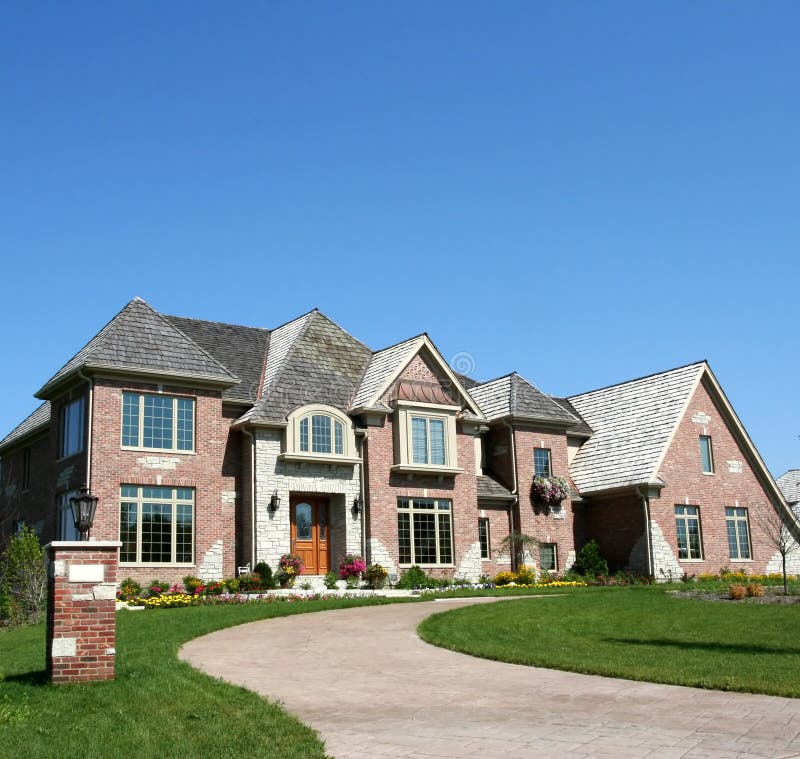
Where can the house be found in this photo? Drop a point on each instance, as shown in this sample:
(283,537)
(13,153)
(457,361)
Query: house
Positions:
(213,446)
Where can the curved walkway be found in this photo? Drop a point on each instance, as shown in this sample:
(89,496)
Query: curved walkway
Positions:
(372,688)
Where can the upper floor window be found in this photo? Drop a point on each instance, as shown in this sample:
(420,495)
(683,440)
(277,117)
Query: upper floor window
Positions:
(72,428)
(687,525)
(541,462)
(161,422)
(706,455)
(426,437)
(738,533)
(320,431)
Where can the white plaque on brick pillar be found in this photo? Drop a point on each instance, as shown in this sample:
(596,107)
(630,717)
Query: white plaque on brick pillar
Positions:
(65,647)
(85,573)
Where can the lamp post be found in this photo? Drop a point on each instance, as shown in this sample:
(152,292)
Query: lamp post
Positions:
(83,509)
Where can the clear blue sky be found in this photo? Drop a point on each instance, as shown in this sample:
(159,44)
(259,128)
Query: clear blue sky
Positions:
(583,192)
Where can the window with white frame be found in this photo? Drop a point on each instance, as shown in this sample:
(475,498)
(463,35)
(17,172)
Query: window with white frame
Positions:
(706,455)
(541,462)
(426,436)
(72,428)
(157,422)
(548,557)
(687,525)
(738,533)
(425,531)
(320,431)
(156,525)
(484,537)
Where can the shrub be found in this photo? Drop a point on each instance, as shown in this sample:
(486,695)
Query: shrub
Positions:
(504,578)
(214,588)
(264,571)
(330,581)
(414,578)
(158,588)
(351,565)
(524,576)
(590,561)
(754,590)
(736,591)
(129,589)
(376,575)
(232,585)
(192,583)
(249,583)
(23,577)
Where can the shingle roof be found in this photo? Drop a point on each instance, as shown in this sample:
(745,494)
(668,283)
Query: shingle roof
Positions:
(789,483)
(314,362)
(580,429)
(138,338)
(513,395)
(490,489)
(38,419)
(381,367)
(631,424)
(241,350)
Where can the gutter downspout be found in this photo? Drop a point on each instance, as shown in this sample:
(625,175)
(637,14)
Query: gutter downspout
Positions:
(362,495)
(647,530)
(90,382)
(513,489)
(252,496)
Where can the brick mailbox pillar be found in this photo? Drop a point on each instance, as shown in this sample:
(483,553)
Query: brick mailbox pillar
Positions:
(81,604)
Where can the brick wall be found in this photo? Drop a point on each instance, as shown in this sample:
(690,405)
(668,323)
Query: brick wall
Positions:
(81,607)
(212,470)
(547,526)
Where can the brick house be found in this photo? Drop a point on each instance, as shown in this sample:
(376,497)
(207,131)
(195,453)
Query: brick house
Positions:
(212,446)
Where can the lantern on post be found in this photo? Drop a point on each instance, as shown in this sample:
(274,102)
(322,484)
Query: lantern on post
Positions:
(83,509)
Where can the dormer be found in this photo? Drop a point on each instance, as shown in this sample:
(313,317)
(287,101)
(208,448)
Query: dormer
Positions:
(321,434)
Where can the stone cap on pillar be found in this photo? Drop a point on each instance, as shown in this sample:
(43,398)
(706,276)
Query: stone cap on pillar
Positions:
(88,544)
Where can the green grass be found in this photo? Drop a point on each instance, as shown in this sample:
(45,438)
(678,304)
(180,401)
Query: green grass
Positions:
(158,706)
(639,633)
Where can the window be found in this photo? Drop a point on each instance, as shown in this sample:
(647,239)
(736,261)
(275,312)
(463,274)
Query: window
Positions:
(156,525)
(72,429)
(548,557)
(160,422)
(321,433)
(738,533)
(687,523)
(26,468)
(541,462)
(66,525)
(425,437)
(427,441)
(483,537)
(425,531)
(706,455)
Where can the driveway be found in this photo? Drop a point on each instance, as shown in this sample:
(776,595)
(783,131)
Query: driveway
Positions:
(372,688)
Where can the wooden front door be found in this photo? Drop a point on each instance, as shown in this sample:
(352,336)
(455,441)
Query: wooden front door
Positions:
(311,533)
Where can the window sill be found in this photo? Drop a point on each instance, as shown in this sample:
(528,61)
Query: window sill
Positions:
(691,561)
(143,565)
(162,451)
(708,474)
(426,469)
(428,566)
(319,458)
(741,561)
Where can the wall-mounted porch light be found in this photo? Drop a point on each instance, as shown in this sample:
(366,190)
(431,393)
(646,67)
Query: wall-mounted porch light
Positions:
(83,508)
(274,502)
(358,505)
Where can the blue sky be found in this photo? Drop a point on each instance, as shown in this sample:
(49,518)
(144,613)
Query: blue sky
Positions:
(583,192)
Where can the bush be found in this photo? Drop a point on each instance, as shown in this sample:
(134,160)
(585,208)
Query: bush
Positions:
(415,578)
(23,577)
(129,589)
(158,588)
(330,581)
(376,575)
(524,576)
(504,578)
(590,561)
(191,584)
(736,591)
(351,565)
(249,583)
(232,585)
(264,571)
(754,590)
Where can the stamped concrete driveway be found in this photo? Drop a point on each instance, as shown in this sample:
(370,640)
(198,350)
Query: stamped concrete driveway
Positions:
(372,688)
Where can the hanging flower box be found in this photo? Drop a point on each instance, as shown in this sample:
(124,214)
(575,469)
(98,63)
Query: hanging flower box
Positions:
(549,491)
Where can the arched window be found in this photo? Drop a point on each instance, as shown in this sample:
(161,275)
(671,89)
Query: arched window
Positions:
(320,432)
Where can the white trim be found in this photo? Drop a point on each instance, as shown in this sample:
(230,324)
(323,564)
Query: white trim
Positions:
(292,450)
(88,544)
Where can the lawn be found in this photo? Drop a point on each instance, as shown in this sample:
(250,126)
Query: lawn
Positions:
(639,633)
(158,706)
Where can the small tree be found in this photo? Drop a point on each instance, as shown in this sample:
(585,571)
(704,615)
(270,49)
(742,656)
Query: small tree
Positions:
(23,576)
(516,544)
(779,536)
(590,561)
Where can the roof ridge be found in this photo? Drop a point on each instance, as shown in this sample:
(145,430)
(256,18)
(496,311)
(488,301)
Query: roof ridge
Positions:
(399,343)
(496,379)
(296,319)
(638,379)
(186,337)
(218,324)
(339,326)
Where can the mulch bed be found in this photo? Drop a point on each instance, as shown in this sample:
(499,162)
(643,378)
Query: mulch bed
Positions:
(771,596)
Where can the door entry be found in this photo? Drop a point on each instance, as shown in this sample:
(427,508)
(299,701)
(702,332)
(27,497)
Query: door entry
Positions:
(310,533)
